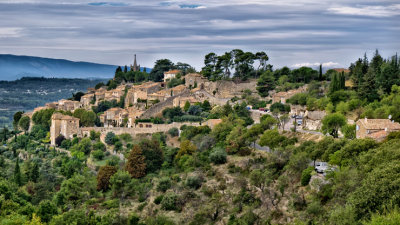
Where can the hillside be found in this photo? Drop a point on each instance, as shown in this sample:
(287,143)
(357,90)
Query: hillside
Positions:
(13,67)
(29,92)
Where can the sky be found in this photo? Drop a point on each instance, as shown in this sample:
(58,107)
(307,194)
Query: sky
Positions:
(293,33)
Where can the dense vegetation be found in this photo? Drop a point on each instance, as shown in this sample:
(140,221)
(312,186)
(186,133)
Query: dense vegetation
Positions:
(215,176)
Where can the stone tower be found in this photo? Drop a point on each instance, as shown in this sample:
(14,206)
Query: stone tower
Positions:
(135,66)
(63,125)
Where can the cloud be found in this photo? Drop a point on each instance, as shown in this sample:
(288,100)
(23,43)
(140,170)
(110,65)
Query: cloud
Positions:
(374,11)
(307,64)
(10,32)
(108,4)
(290,31)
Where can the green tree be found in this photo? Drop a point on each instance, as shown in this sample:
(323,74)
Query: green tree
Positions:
(186,107)
(120,184)
(17,173)
(110,138)
(332,123)
(265,83)
(24,123)
(161,66)
(46,210)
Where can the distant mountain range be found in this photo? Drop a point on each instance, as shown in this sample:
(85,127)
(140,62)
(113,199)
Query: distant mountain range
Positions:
(13,67)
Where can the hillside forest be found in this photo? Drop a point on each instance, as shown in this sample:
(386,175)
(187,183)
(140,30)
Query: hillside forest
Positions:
(198,175)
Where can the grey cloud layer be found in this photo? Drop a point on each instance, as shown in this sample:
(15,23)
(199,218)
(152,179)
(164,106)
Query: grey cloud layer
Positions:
(292,32)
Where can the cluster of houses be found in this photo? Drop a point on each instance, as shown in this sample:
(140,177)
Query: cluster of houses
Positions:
(140,99)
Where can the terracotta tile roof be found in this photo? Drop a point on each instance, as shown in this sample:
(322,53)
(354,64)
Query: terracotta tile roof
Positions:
(59,116)
(339,70)
(179,88)
(194,74)
(379,135)
(379,124)
(172,72)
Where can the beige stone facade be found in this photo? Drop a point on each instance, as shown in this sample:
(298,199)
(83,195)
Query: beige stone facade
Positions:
(377,129)
(169,75)
(86,101)
(313,120)
(67,126)
(195,80)
(181,101)
(68,105)
(141,92)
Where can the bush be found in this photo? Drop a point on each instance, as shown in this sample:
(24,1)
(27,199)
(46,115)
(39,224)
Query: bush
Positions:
(194,182)
(158,199)
(306,175)
(59,140)
(164,184)
(98,154)
(174,132)
(169,201)
(110,138)
(218,156)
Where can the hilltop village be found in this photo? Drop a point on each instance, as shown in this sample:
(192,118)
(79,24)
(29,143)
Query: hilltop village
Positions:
(237,142)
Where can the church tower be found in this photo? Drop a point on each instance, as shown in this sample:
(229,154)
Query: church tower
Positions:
(135,67)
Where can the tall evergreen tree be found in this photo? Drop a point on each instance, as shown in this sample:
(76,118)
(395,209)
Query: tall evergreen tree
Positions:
(17,173)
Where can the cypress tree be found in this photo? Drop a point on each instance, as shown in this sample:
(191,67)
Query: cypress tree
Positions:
(17,173)
(34,176)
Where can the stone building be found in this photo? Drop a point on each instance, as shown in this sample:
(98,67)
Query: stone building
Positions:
(312,120)
(377,129)
(63,125)
(181,101)
(86,100)
(68,105)
(193,80)
(113,117)
(285,95)
(141,92)
(169,75)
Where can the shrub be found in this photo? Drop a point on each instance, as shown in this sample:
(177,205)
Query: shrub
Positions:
(164,184)
(194,182)
(174,132)
(110,138)
(111,204)
(218,156)
(169,201)
(306,175)
(158,199)
(98,154)
(59,140)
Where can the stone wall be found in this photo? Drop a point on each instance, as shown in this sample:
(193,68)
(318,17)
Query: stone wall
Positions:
(229,89)
(159,107)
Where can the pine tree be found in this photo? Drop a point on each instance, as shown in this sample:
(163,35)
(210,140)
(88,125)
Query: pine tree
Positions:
(17,173)
(34,176)
(125,69)
(136,165)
